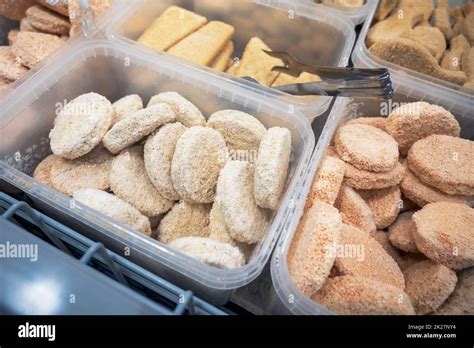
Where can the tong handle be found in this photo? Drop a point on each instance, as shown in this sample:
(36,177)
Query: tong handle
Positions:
(347,74)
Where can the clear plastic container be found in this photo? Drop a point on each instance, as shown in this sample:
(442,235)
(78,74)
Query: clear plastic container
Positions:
(355,15)
(114,70)
(314,34)
(286,298)
(362,58)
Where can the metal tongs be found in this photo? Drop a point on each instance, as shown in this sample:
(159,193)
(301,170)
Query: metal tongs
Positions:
(342,82)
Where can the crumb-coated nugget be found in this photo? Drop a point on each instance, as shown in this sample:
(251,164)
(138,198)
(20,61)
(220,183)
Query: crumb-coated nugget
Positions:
(354,210)
(366,147)
(400,233)
(126,106)
(48,21)
(90,171)
(384,203)
(235,191)
(199,156)
(240,130)
(445,233)
(184,220)
(362,296)
(461,301)
(327,182)
(159,151)
(444,162)
(384,9)
(15,9)
(81,125)
(365,180)
(114,208)
(218,231)
(129,181)
(414,121)
(31,48)
(361,255)
(42,172)
(422,194)
(271,167)
(9,68)
(377,122)
(186,112)
(137,126)
(312,251)
(12,35)
(382,238)
(429,284)
(211,252)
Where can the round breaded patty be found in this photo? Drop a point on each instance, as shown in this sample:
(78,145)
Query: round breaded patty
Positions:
(352,295)
(271,168)
(184,220)
(361,255)
(382,238)
(422,194)
(90,171)
(313,249)
(159,151)
(126,106)
(444,162)
(199,156)
(445,233)
(429,284)
(42,172)
(461,301)
(48,21)
(114,208)
(211,252)
(81,125)
(377,122)
(365,180)
(240,131)
(384,203)
(130,182)
(186,112)
(400,233)
(245,221)
(354,210)
(137,126)
(414,121)
(366,147)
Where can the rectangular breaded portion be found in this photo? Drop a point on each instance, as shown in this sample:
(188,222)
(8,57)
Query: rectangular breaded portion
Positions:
(257,64)
(204,45)
(222,61)
(172,26)
(286,79)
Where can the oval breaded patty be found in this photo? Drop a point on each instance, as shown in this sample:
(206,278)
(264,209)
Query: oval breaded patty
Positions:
(199,156)
(366,147)
(81,125)
(445,233)
(400,233)
(126,106)
(377,122)
(159,152)
(444,162)
(312,251)
(186,112)
(240,130)
(184,220)
(461,301)
(351,295)
(354,210)
(114,208)
(414,121)
(271,167)
(384,203)
(42,172)
(211,252)
(429,284)
(365,180)
(245,220)
(361,255)
(130,182)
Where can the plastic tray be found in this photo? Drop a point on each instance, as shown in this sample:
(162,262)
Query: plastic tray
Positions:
(101,281)
(287,299)
(314,34)
(355,15)
(362,58)
(114,70)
